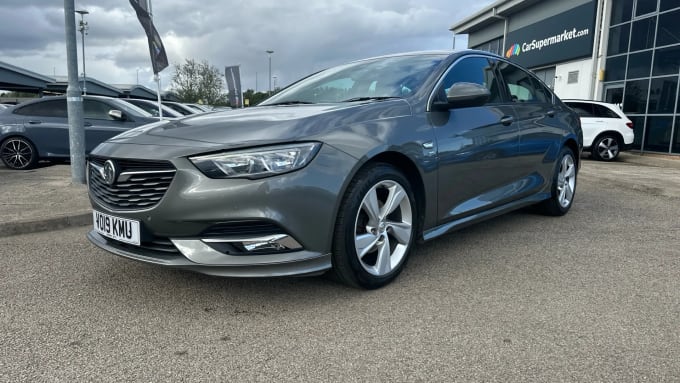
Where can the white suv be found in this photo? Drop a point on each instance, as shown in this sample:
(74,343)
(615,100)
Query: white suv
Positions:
(606,130)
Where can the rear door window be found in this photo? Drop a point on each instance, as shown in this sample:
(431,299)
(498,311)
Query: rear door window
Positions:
(47,108)
(523,87)
(604,112)
(583,109)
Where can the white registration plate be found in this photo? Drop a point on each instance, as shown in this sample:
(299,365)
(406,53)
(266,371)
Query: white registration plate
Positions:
(120,229)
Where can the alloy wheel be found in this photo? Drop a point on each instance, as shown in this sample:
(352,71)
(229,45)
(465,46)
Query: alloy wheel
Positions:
(17,153)
(566,181)
(608,148)
(383,228)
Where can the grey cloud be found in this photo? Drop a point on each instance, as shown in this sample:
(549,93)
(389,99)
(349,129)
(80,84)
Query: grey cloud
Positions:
(306,36)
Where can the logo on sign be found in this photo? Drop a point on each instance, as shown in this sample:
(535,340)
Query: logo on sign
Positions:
(109,172)
(513,51)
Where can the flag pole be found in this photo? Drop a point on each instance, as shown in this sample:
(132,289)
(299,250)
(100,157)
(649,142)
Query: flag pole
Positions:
(157,76)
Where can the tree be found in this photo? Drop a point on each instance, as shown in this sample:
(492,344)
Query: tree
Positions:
(198,82)
(254,98)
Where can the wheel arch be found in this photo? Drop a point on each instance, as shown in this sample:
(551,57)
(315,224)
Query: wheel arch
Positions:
(618,135)
(573,145)
(410,170)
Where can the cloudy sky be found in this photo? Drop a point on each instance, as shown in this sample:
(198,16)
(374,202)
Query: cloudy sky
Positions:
(305,35)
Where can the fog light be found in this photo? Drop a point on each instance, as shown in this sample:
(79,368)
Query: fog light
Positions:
(276,243)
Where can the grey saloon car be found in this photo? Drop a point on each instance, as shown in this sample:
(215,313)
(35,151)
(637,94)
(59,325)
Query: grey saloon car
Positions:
(342,171)
(39,129)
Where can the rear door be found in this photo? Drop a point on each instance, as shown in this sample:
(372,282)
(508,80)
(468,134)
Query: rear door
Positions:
(476,146)
(542,125)
(46,125)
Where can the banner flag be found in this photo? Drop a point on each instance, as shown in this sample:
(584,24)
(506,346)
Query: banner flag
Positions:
(233,76)
(159,60)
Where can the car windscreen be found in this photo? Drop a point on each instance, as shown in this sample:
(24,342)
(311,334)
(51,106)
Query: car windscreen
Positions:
(386,77)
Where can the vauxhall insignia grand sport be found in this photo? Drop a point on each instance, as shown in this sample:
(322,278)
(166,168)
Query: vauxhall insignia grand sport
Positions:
(342,171)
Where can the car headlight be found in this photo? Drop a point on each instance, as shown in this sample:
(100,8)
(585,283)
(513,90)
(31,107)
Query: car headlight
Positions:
(257,162)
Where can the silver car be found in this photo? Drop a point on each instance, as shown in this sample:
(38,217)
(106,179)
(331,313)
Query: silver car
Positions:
(344,170)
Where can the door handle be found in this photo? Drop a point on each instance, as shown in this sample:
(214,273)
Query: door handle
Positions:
(34,122)
(87,123)
(507,120)
(551,113)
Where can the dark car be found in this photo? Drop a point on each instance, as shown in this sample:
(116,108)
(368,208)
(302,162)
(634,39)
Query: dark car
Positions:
(344,170)
(39,129)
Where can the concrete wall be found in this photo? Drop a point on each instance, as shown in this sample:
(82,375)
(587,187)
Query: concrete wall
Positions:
(580,89)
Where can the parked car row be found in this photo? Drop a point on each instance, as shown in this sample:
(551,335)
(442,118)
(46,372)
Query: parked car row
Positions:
(38,129)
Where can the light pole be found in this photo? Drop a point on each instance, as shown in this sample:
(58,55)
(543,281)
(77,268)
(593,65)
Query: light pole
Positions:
(82,27)
(270,70)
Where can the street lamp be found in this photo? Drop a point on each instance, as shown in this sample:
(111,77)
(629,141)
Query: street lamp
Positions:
(270,70)
(82,27)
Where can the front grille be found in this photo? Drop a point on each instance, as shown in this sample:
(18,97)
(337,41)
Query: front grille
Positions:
(139,185)
(161,246)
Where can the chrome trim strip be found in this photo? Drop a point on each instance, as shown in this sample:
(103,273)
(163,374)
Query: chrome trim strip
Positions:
(200,253)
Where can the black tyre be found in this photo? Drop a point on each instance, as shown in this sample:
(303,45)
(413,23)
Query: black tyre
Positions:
(606,148)
(375,229)
(563,188)
(18,153)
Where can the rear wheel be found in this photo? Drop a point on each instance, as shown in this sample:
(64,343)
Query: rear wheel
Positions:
(563,185)
(18,153)
(375,229)
(606,148)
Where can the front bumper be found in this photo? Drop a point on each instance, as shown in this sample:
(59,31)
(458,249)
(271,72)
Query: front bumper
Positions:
(276,226)
(297,263)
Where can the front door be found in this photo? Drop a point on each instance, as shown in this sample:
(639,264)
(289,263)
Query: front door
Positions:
(476,146)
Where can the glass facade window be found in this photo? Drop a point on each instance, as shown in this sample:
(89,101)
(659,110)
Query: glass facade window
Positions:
(616,68)
(658,134)
(643,68)
(667,61)
(635,97)
(639,129)
(622,11)
(643,34)
(639,64)
(676,141)
(618,39)
(644,7)
(662,95)
(669,29)
(669,4)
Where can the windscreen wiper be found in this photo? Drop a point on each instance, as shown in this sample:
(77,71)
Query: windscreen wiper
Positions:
(370,98)
(295,102)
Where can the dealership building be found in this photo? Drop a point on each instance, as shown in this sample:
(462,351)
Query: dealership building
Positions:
(625,52)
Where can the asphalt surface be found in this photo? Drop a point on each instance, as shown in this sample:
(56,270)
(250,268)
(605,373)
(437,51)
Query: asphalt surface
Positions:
(592,296)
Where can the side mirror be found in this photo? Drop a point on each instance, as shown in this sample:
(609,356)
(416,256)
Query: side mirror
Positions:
(116,115)
(466,94)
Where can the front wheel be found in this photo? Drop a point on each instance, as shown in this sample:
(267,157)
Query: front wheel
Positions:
(563,185)
(375,229)
(18,153)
